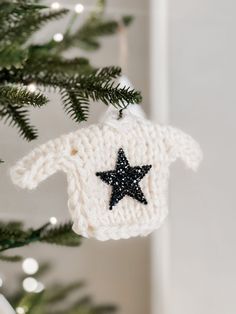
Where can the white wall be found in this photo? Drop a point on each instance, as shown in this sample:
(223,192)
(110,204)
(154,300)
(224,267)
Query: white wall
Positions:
(203,205)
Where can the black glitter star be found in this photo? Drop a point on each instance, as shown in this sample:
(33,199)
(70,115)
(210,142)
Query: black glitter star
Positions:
(124,180)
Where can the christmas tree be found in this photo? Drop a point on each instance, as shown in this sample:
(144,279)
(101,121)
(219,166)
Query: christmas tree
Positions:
(25,65)
(53,298)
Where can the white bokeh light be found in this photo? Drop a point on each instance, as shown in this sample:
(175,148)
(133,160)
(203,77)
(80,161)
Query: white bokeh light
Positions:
(20,310)
(40,287)
(53,220)
(30,266)
(1,282)
(58,37)
(32,87)
(30,284)
(79,8)
(55,6)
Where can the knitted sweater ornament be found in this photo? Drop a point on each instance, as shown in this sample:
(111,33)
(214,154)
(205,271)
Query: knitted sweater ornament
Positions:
(117,172)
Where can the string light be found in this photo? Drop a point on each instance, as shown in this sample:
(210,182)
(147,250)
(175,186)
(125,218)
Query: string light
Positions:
(55,6)
(30,266)
(58,37)
(30,284)
(32,87)
(40,287)
(79,8)
(53,220)
(20,310)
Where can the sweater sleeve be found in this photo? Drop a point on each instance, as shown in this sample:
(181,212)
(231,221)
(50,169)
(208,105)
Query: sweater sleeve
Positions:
(38,165)
(181,145)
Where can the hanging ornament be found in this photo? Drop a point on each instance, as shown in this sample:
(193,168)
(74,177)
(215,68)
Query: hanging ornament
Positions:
(117,172)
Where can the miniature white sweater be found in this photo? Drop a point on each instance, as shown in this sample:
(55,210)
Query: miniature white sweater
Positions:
(117,173)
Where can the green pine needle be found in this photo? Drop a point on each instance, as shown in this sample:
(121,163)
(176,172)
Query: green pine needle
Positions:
(87,36)
(31,301)
(22,63)
(12,108)
(7,258)
(13,235)
(28,23)
(12,55)
(94,28)
(57,64)
(21,96)
(76,105)
(78,90)
(61,235)
(127,20)
(18,116)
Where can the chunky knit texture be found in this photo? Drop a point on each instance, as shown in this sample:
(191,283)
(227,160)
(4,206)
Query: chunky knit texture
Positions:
(83,153)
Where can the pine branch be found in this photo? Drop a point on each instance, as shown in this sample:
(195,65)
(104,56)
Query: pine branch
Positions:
(61,235)
(7,258)
(18,116)
(16,237)
(58,64)
(99,86)
(12,108)
(27,24)
(127,20)
(12,236)
(13,225)
(76,80)
(108,73)
(76,105)
(12,55)
(31,301)
(78,90)
(20,20)
(87,37)
(99,9)
(13,12)
(21,96)
(97,27)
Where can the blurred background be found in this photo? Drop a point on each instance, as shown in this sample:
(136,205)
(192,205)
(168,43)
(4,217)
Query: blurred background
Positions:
(193,269)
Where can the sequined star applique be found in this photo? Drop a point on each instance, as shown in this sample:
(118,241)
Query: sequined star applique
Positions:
(124,180)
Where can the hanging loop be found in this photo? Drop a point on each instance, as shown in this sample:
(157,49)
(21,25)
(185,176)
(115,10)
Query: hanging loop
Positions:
(123,48)
(120,114)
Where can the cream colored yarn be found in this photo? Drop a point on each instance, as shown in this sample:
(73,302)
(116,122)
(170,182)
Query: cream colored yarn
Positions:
(82,153)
